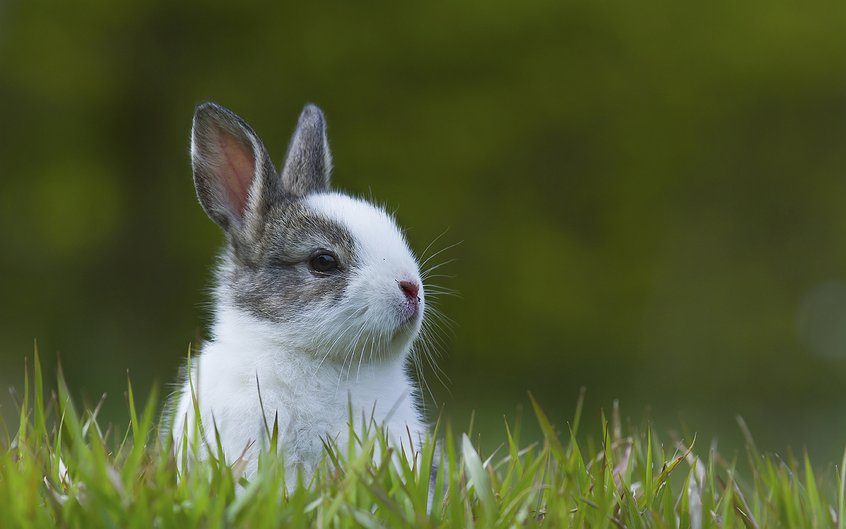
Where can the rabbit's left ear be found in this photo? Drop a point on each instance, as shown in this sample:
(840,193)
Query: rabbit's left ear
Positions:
(308,163)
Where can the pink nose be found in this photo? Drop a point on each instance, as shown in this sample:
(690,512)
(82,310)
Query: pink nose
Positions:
(410,289)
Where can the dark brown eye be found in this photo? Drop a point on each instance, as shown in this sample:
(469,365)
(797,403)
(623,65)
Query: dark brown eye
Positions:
(323,262)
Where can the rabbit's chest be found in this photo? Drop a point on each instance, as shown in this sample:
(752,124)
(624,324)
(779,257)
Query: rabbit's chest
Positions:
(309,406)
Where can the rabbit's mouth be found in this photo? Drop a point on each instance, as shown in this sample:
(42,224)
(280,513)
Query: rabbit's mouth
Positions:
(410,312)
(409,320)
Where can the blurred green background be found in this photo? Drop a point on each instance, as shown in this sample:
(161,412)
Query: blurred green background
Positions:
(651,196)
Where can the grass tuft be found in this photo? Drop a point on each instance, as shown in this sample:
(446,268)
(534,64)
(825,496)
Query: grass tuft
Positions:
(59,467)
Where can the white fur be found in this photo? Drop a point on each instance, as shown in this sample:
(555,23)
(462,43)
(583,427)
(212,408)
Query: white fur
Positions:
(306,378)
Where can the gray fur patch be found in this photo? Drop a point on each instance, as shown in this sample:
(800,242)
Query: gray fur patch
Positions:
(270,278)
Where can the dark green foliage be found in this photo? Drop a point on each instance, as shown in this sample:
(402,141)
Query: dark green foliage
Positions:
(650,194)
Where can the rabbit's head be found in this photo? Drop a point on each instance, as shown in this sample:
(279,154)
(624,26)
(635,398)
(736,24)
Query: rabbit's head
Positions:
(320,271)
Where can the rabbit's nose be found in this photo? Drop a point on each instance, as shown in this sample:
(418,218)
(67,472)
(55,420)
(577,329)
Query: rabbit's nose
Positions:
(410,289)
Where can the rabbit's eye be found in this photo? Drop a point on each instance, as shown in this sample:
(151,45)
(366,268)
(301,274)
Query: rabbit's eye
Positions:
(323,262)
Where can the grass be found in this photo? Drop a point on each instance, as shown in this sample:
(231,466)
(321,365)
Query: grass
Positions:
(59,467)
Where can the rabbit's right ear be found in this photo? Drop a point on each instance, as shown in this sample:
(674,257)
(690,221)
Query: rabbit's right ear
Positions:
(233,173)
(308,163)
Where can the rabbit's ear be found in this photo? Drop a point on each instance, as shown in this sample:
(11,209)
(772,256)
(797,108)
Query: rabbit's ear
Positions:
(233,173)
(308,163)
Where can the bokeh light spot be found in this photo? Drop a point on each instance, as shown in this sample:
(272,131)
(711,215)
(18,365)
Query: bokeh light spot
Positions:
(821,320)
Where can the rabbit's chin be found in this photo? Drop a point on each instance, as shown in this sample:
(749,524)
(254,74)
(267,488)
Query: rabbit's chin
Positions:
(407,331)
(387,345)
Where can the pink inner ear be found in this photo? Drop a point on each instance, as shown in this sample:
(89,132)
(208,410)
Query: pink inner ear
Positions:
(237,167)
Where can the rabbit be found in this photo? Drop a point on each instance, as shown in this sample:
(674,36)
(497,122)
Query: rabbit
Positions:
(317,303)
